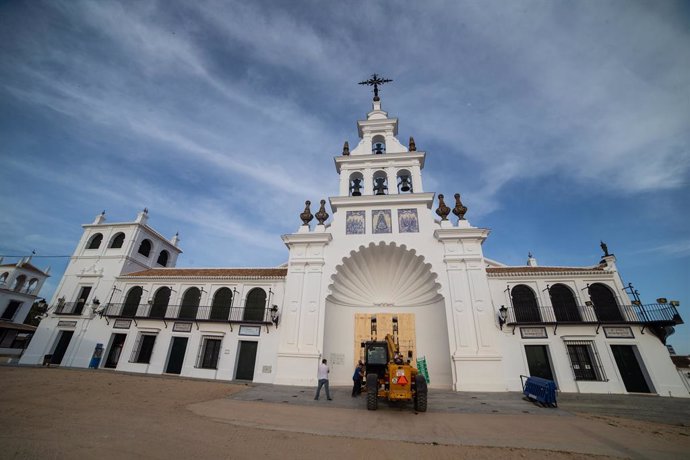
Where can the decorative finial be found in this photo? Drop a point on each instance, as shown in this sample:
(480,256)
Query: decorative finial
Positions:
(103,213)
(375,81)
(346,148)
(306,216)
(412,147)
(459,210)
(146,210)
(322,215)
(604,248)
(442,210)
(529,255)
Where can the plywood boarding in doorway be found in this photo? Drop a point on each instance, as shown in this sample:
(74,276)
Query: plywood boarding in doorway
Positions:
(384,325)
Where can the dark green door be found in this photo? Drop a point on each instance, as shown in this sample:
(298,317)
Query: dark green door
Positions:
(61,347)
(538,361)
(177,350)
(630,370)
(246,361)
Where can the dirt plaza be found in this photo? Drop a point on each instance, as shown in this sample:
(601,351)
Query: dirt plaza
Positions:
(69,413)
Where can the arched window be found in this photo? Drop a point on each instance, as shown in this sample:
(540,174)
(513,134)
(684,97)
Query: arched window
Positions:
(380,185)
(145,248)
(18,283)
(404,181)
(605,305)
(255,306)
(132,301)
(95,241)
(564,304)
(32,286)
(117,241)
(163,258)
(159,307)
(525,304)
(356,184)
(3,277)
(222,301)
(190,303)
(378,145)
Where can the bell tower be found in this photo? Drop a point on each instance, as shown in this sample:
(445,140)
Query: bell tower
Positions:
(379,164)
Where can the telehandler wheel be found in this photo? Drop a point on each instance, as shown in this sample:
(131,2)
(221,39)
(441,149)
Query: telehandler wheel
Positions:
(372,392)
(421,392)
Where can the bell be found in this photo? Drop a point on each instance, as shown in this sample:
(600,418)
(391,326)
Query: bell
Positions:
(379,149)
(356,187)
(405,184)
(380,186)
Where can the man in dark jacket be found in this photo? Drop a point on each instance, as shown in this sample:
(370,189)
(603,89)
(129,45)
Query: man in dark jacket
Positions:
(357,379)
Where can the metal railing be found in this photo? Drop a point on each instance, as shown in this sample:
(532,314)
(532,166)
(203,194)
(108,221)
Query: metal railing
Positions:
(657,314)
(209,313)
(69,308)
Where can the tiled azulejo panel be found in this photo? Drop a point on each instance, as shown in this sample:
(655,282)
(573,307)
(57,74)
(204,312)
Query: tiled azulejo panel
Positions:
(355,222)
(381,221)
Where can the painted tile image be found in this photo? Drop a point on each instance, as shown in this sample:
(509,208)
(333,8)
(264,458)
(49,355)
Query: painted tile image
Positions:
(355,222)
(381,221)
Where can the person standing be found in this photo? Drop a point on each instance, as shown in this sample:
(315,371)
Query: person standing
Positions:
(322,375)
(357,379)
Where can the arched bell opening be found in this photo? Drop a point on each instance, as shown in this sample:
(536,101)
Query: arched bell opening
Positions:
(356,184)
(378,145)
(380,186)
(404,181)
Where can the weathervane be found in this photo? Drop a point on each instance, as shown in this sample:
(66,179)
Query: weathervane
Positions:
(375,81)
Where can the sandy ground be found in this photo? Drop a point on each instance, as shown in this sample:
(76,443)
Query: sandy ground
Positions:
(65,413)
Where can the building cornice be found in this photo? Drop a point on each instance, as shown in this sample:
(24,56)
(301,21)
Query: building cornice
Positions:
(426,199)
(373,158)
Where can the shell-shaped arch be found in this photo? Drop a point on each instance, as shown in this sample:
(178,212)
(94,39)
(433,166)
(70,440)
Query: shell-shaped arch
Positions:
(384,275)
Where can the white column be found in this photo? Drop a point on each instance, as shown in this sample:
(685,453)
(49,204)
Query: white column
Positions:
(472,328)
(303,307)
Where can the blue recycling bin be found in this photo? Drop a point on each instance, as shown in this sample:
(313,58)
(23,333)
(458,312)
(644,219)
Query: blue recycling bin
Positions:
(97,355)
(540,390)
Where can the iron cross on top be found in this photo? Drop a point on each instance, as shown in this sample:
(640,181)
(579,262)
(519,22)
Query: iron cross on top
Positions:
(375,81)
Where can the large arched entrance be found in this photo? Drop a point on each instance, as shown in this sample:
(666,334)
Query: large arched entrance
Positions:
(386,281)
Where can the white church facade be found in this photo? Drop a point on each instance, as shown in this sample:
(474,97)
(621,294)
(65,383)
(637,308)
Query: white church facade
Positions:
(389,250)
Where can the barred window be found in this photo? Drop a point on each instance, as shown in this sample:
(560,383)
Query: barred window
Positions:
(585,361)
(209,352)
(143,349)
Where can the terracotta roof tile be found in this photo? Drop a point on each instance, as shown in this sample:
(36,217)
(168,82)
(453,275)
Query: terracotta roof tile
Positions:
(211,272)
(527,269)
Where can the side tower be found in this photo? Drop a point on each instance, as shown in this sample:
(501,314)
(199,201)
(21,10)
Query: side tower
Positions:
(104,252)
(384,258)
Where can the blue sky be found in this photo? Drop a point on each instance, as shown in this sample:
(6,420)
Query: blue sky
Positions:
(560,122)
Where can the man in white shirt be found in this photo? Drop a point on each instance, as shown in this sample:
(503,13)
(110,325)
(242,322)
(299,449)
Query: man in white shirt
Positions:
(322,375)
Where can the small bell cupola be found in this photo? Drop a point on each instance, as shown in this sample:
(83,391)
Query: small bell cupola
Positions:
(380,164)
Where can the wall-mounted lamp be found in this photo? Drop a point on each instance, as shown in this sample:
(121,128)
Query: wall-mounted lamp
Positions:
(662,300)
(589,303)
(502,316)
(674,303)
(275,316)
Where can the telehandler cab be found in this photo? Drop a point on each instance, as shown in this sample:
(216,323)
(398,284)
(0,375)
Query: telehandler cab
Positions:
(388,376)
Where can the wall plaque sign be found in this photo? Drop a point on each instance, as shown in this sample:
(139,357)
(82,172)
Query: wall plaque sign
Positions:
(621,332)
(381,221)
(182,327)
(407,221)
(355,222)
(533,333)
(253,331)
(122,324)
(67,324)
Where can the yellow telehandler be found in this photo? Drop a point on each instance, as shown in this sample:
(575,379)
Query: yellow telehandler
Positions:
(388,376)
